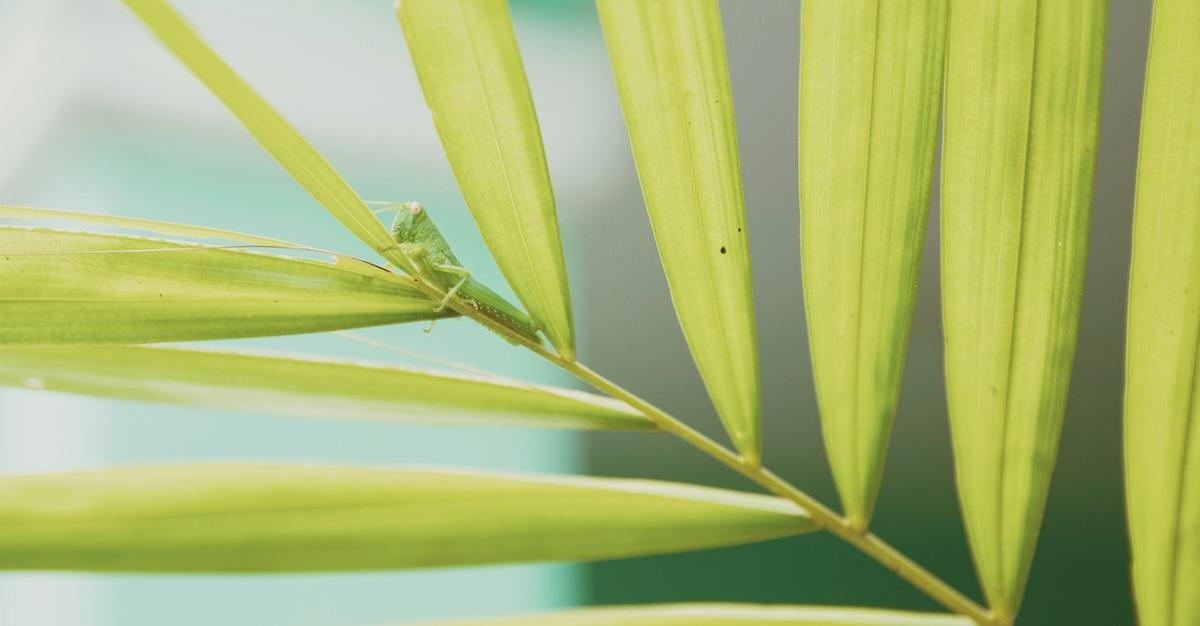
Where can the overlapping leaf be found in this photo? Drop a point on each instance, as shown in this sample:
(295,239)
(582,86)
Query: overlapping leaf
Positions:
(724,615)
(870,85)
(1021,115)
(668,57)
(1162,371)
(271,130)
(66,287)
(306,387)
(470,69)
(272,518)
(124,225)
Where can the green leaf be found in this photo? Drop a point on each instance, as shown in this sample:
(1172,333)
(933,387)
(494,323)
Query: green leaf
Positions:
(870,86)
(1162,370)
(668,57)
(725,615)
(1022,110)
(43,217)
(282,141)
(64,287)
(470,69)
(306,387)
(281,518)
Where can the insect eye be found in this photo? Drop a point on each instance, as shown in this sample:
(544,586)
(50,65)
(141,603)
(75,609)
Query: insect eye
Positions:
(415,209)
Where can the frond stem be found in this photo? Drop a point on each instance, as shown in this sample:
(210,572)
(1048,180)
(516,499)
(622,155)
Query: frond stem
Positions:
(824,517)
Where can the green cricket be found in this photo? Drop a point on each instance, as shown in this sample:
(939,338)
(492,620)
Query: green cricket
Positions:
(422,244)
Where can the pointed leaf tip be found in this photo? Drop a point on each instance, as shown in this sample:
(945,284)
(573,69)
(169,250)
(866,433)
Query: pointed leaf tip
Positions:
(870,89)
(69,287)
(307,387)
(253,518)
(1022,107)
(466,56)
(668,58)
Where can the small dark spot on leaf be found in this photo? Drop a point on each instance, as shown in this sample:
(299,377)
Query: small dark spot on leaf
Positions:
(722,249)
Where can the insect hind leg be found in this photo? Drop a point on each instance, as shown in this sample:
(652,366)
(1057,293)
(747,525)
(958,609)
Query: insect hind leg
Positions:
(463,274)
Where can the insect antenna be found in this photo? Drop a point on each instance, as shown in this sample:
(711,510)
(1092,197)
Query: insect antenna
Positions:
(388,206)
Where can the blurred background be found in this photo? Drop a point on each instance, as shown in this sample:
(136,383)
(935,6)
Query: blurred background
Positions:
(95,116)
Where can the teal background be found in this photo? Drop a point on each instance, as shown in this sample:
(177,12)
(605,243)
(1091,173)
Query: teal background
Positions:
(102,156)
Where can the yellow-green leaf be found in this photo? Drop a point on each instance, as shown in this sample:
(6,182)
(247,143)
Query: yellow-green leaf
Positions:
(78,287)
(668,57)
(1021,114)
(278,137)
(1162,371)
(278,518)
(870,86)
(48,217)
(470,69)
(306,387)
(724,615)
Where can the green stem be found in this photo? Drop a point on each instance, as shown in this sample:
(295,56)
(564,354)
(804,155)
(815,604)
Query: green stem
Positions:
(868,543)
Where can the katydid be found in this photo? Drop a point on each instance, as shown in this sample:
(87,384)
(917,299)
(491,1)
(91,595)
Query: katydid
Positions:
(434,263)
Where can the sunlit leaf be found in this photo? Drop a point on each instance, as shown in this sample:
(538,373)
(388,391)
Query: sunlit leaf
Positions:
(870,86)
(278,137)
(724,615)
(279,518)
(52,217)
(1021,114)
(306,387)
(1162,385)
(668,57)
(470,69)
(63,287)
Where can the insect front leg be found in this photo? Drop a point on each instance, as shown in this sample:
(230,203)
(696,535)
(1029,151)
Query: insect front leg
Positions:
(423,268)
(431,273)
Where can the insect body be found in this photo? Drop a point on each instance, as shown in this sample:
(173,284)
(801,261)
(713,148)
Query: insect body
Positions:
(433,262)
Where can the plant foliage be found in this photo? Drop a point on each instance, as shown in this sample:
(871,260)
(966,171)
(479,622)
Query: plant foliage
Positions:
(1021,121)
(1162,368)
(668,57)
(870,86)
(1021,83)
